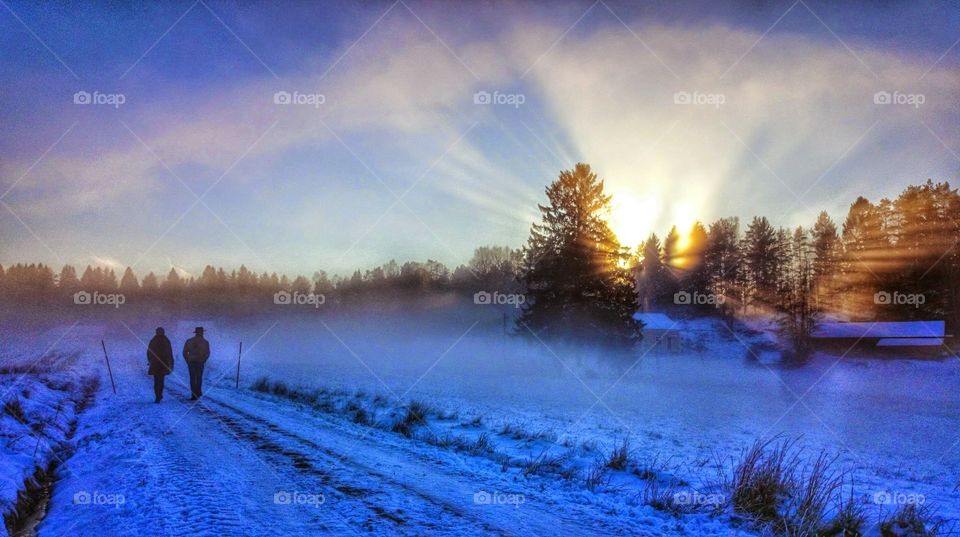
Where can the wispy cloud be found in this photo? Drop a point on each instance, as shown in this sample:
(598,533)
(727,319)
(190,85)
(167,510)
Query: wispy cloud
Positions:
(792,110)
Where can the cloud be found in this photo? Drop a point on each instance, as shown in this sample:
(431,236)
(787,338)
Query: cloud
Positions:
(795,108)
(108,263)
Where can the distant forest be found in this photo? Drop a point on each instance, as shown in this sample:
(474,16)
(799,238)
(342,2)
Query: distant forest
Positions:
(491,268)
(891,260)
(894,259)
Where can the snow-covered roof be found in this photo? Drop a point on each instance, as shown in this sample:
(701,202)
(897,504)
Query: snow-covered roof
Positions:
(897,329)
(655,321)
(910,342)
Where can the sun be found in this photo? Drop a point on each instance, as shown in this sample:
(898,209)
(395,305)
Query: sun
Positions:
(632,220)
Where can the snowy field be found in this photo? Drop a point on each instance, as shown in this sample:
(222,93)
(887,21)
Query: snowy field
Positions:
(512,427)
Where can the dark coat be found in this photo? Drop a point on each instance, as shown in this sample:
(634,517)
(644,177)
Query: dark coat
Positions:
(196,350)
(160,356)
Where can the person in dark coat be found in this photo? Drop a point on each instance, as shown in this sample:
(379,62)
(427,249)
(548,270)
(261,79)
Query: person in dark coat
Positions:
(160,361)
(195,352)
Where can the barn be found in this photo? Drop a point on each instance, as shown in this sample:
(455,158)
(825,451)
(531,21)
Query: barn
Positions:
(660,332)
(914,338)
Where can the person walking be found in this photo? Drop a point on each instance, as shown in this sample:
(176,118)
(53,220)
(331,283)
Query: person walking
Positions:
(195,352)
(159,361)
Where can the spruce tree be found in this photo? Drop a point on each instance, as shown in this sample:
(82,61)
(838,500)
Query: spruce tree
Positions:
(761,254)
(576,285)
(650,273)
(129,283)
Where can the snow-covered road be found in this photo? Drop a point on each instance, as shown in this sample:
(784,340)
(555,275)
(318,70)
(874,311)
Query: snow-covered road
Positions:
(238,464)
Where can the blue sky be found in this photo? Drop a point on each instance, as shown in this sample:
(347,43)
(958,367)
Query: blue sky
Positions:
(199,164)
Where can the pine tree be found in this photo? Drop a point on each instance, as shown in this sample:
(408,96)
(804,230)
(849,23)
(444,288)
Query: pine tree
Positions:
(129,283)
(722,259)
(150,283)
(68,281)
(694,276)
(300,285)
(864,256)
(173,283)
(576,285)
(826,251)
(798,312)
(672,266)
(761,259)
(651,274)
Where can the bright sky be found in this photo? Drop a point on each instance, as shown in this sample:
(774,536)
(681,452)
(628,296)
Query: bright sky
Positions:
(389,151)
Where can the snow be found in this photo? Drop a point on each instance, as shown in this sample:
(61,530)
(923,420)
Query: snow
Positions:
(227,465)
(899,329)
(655,321)
(41,390)
(911,342)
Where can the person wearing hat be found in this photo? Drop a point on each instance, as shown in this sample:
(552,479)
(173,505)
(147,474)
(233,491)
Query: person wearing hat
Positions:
(195,352)
(160,362)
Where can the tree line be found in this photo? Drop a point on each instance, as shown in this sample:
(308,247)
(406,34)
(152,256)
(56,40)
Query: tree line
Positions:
(491,267)
(890,260)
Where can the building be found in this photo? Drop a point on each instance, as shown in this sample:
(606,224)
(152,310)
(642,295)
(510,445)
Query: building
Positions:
(926,338)
(660,332)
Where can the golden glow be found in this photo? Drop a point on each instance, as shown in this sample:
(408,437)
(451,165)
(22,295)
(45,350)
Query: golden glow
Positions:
(684,216)
(631,219)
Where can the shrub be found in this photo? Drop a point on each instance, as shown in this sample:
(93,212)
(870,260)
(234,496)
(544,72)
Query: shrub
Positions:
(848,520)
(481,445)
(596,476)
(415,412)
(475,422)
(911,520)
(361,417)
(660,497)
(445,442)
(402,426)
(619,455)
(13,408)
(649,468)
(418,410)
(544,463)
(769,487)
(761,479)
(261,385)
(279,388)
(507,429)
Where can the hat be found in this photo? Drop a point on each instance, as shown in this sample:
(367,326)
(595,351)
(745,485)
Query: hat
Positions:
(198,330)
(160,330)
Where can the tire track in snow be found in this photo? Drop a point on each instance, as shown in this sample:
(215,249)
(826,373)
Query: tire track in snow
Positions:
(429,483)
(357,489)
(185,496)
